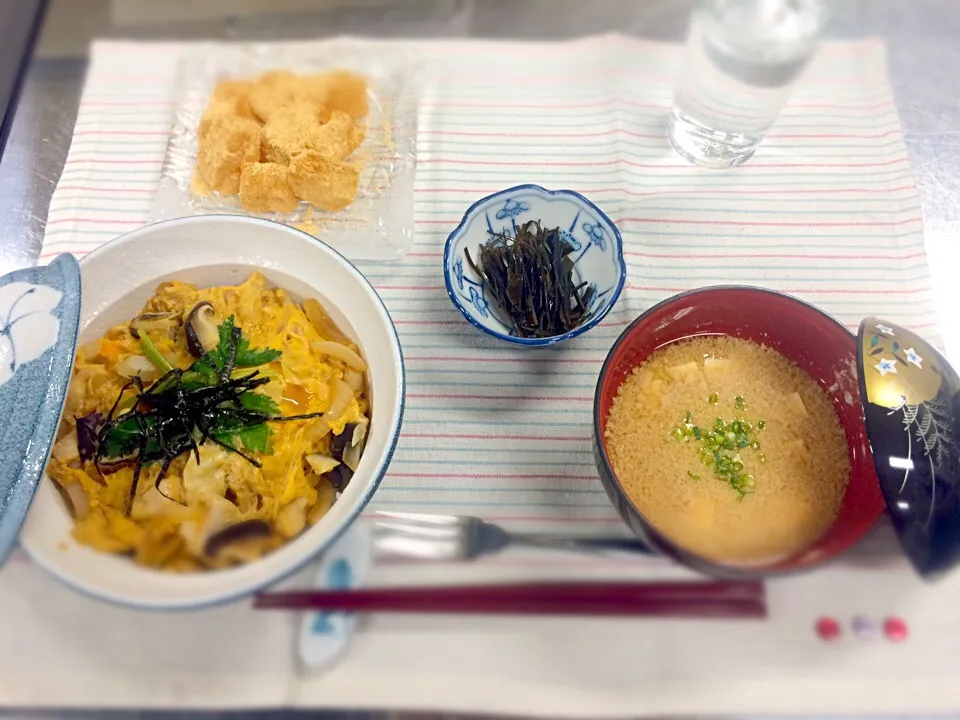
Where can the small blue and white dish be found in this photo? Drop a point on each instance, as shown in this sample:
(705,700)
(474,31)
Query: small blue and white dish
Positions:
(39,317)
(597,254)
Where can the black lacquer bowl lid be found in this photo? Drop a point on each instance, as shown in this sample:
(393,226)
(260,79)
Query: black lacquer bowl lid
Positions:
(911,403)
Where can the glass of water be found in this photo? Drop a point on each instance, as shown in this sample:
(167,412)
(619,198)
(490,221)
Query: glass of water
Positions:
(742,59)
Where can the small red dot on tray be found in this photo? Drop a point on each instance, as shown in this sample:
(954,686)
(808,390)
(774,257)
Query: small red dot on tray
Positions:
(827,628)
(895,629)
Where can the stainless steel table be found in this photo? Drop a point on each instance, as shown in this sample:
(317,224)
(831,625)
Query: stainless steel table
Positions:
(924,66)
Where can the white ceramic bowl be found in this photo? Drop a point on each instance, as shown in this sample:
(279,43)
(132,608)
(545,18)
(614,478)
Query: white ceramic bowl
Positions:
(218,250)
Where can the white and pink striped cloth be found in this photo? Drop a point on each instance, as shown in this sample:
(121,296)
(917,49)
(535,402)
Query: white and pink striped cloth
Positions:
(826,210)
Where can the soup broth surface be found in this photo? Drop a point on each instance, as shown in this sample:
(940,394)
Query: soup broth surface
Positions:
(729,449)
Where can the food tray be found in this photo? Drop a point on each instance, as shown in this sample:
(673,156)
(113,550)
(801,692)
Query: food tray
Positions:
(378,225)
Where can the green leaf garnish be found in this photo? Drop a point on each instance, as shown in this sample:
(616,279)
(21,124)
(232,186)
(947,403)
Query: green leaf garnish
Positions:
(247,357)
(123,439)
(256,438)
(243,357)
(208,401)
(257,402)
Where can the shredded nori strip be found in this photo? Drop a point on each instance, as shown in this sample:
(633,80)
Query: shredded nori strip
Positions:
(174,416)
(531,277)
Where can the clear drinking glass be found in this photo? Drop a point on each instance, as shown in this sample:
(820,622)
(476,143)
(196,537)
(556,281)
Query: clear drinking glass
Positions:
(742,59)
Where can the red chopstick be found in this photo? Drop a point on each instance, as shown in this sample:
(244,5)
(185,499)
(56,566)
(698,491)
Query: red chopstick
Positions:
(720,599)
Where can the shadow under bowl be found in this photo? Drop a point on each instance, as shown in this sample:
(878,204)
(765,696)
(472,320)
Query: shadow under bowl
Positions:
(813,340)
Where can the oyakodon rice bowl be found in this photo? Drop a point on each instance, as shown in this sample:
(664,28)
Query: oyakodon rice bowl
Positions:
(729,435)
(181,514)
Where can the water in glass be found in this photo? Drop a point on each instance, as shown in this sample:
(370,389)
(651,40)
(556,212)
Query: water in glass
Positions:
(742,59)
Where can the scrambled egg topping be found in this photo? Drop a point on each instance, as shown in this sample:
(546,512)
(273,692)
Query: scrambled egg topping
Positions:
(170,526)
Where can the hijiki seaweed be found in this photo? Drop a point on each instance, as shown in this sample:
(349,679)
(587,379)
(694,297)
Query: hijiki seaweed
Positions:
(531,277)
(183,409)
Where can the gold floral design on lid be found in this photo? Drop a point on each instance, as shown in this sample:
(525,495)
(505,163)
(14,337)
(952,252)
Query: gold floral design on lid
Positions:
(899,367)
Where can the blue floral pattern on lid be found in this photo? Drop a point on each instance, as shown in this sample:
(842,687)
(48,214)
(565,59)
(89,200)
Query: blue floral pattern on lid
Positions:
(39,318)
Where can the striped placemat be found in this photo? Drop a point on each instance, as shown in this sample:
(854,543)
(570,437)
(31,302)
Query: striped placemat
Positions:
(827,210)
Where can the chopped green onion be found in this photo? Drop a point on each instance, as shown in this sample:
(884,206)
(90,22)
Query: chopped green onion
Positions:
(739,403)
(714,399)
(761,425)
(153,355)
(718,447)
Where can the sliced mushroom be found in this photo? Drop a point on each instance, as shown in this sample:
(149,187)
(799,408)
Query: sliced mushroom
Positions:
(339,477)
(201,329)
(342,441)
(150,321)
(243,530)
(244,551)
(347,447)
(137,366)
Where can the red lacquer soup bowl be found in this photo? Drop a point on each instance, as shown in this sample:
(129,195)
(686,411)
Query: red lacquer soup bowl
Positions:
(816,342)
